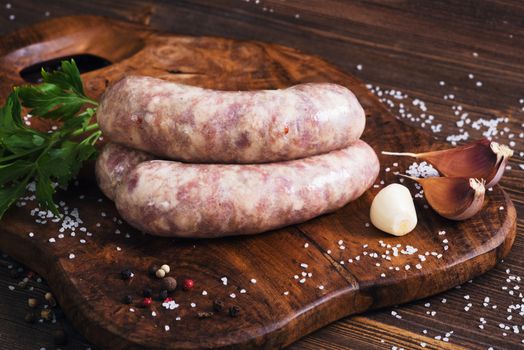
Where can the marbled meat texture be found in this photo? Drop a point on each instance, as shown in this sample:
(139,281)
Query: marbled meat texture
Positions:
(169,198)
(113,162)
(197,125)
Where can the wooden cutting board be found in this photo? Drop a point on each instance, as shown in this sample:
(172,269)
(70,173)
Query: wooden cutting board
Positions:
(349,266)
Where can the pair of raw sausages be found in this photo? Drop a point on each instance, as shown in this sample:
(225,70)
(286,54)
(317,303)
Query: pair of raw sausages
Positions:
(309,133)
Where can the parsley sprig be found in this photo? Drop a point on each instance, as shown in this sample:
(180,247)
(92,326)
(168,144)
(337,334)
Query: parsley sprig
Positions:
(53,158)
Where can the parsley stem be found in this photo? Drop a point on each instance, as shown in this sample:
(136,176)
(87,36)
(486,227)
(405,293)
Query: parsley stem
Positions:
(90,127)
(91,102)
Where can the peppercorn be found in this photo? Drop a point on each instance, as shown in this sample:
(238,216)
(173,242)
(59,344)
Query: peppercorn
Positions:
(160,273)
(218,305)
(23,283)
(188,284)
(126,274)
(128,299)
(234,311)
(166,268)
(50,299)
(147,292)
(32,303)
(30,317)
(46,314)
(203,314)
(146,302)
(59,337)
(15,273)
(152,270)
(163,294)
(49,296)
(169,284)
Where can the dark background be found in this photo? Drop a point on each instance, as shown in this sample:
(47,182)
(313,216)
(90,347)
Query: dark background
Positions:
(427,50)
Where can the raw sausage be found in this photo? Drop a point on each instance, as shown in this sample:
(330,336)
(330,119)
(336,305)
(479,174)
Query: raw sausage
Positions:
(169,198)
(113,162)
(197,125)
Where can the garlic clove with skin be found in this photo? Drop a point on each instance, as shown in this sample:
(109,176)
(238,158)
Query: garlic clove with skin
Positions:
(393,211)
(481,159)
(455,198)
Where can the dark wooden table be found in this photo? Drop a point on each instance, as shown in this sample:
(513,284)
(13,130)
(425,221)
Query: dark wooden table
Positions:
(444,59)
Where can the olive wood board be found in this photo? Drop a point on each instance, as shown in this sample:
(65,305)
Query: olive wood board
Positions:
(83,269)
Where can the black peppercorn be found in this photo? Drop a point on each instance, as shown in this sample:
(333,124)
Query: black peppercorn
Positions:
(30,317)
(218,305)
(126,274)
(152,270)
(234,311)
(128,299)
(15,273)
(60,337)
(163,294)
(146,293)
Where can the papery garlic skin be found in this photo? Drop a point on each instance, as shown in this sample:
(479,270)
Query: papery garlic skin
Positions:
(503,153)
(483,159)
(393,210)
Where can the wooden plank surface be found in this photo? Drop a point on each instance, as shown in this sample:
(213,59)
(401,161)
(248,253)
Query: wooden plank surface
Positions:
(410,47)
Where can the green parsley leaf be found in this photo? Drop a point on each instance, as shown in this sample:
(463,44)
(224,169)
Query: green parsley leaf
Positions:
(61,95)
(49,159)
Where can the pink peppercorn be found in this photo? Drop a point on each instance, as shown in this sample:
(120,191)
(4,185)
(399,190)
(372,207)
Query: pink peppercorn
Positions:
(146,302)
(188,284)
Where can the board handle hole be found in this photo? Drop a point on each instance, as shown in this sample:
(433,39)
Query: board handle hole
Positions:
(85,62)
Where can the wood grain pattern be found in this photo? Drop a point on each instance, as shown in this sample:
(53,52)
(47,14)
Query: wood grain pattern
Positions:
(93,299)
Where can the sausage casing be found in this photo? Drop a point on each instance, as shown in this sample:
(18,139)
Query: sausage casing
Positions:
(169,198)
(196,125)
(113,162)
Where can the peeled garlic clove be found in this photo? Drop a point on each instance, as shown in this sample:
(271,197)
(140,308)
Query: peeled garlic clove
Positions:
(482,159)
(393,211)
(455,198)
